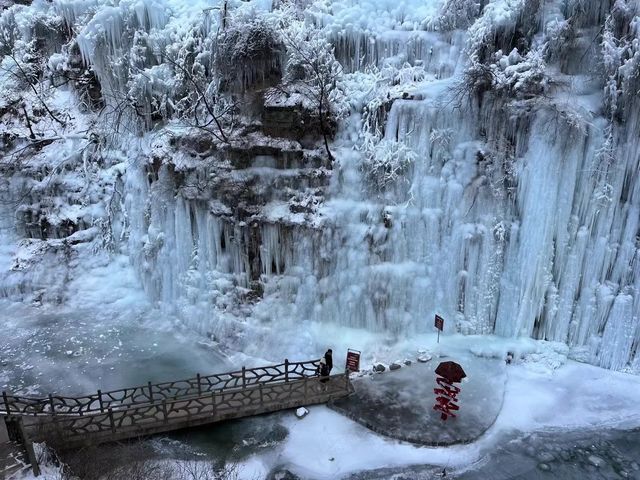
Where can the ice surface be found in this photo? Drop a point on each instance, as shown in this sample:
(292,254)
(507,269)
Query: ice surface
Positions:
(574,397)
(399,403)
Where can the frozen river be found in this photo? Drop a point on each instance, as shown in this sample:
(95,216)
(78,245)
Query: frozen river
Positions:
(76,351)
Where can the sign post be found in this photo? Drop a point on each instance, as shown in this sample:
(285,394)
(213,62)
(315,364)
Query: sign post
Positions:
(439,325)
(447,396)
(353,360)
(447,374)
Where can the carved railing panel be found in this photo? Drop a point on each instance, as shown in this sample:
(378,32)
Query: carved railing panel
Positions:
(177,389)
(150,393)
(131,395)
(24,406)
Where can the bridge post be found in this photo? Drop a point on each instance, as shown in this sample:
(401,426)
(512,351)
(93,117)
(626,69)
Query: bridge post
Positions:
(213,403)
(199,386)
(286,369)
(111,422)
(100,401)
(28,446)
(244,377)
(5,399)
(306,389)
(150,391)
(164,410)
(4,435)
(53,407)
(261,394)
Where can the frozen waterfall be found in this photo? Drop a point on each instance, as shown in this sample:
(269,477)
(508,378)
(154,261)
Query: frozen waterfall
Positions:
(512,214)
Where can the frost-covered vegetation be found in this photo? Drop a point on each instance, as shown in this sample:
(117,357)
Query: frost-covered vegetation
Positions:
(367,163)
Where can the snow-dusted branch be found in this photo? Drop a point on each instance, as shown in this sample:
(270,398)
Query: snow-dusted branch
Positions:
(28,79)
(204,98)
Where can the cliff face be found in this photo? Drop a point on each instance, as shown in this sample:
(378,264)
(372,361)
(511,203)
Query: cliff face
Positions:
(365,164)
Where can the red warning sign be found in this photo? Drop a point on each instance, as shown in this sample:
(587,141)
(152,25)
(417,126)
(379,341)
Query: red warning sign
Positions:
(353,360)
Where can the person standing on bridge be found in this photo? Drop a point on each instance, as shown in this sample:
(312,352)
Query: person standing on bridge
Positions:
(326,364)
(328,360)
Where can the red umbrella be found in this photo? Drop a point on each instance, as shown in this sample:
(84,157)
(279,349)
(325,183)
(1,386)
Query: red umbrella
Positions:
(451,371)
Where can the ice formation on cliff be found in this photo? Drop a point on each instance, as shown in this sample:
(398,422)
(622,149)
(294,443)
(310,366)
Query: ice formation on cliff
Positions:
(514,203)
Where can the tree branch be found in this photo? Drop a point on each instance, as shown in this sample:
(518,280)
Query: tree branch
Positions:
(26,78)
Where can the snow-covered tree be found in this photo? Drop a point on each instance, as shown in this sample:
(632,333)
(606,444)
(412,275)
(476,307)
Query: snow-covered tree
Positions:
(519,76)
(385,161)
(312,68)
(621,57)
(505,26)
(249,53)
(456,14)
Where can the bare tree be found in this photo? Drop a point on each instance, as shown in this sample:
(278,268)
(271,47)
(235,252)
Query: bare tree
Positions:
(312,65)
(23,75)
(202,107)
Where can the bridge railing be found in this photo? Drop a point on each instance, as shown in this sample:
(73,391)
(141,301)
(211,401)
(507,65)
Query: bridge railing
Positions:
(229,403)
(154,393)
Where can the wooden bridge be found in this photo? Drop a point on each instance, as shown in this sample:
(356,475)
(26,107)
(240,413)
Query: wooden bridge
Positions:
(71,422)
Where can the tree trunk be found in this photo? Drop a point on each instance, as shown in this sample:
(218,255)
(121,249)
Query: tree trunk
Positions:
(323,130)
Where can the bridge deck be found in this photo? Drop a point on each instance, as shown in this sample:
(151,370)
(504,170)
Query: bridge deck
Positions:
(71,431)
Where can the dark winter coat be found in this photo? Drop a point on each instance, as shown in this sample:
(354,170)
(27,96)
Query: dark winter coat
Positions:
(328,359)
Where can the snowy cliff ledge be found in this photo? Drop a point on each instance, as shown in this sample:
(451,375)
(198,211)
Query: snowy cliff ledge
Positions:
(364,164)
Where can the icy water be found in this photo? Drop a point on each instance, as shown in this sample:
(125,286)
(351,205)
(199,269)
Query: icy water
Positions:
(77,352)
(567,455)
(578,455)
(564,455)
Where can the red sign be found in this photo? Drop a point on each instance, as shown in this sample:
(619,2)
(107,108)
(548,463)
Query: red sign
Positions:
(447,394)
(353,360)
(439,322)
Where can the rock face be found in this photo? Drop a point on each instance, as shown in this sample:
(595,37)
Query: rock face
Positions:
(282,474)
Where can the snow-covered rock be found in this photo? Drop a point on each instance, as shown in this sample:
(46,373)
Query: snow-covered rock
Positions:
(379,368)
